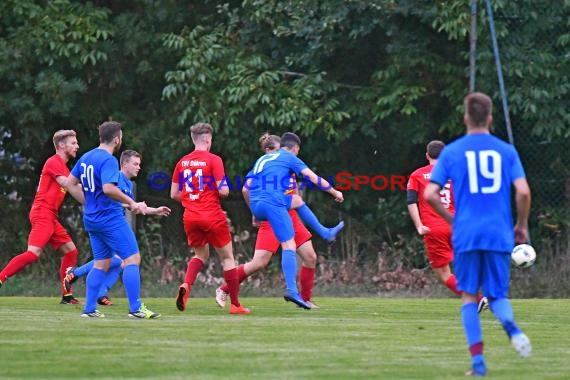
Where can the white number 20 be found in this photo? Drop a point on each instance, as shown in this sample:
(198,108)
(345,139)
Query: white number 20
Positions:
(480,165)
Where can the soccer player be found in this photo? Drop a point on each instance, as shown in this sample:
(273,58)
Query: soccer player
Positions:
(482,169)
(196,183)
(46,228)
(432,227)
(130,166)
(266,244)
(268,183)
(109,232)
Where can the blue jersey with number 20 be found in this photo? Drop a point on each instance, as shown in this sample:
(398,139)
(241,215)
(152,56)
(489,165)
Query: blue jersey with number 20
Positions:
(94,169)
(482,169)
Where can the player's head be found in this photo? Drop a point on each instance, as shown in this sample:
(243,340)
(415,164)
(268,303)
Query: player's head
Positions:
(201,135)
(130,163)
(65,141)
(291,142)
(478,110)
(433,149)
(269,143)
(110,133)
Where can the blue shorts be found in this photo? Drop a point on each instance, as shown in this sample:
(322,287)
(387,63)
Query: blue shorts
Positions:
(485,270)
(108,240)
(277,216)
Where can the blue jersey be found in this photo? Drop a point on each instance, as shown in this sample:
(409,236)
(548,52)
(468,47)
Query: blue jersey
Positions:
(482,169)
(271,176)
(94,169)
(125,185)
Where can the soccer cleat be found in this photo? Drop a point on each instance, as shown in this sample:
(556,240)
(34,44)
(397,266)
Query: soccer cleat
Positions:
(482,305)
(297,300)
(332,232)
(221,297)
(522,345)
(143,313)
(239,309)
(69,299)
(105,301)
(473,372)
(93,314)
(69,279)
(0,284)
(182,297)
(312,305)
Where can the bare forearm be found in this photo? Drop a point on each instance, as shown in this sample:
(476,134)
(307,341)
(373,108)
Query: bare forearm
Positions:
(415,215)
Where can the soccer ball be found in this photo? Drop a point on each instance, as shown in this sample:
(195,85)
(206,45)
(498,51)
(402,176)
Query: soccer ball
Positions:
(523,256)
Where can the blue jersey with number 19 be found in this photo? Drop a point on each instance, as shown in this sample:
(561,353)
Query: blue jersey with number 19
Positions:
(94,169)
(482,169)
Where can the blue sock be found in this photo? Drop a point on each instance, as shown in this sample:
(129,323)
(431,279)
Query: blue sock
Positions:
(503,311)
(310,219)
(289,267)
(132,284)
(84,269)
(112,277)
(472,327)
(94,282)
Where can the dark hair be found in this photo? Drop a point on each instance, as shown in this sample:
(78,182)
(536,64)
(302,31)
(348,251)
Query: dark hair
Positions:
(434,148)
(269,142)
(478,107)
(128,154)
(108,131)
(290,139)
(199,129)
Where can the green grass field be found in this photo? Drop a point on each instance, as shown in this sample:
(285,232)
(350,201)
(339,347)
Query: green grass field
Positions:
(348,338)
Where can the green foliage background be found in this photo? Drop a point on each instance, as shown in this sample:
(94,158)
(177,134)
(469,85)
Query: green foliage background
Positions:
(365,83)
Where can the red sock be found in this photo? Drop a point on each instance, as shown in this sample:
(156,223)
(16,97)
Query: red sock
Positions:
(451,283)
(307,282)
(231,277)
(17,264)
(69,259)
(241,277)
(194,267)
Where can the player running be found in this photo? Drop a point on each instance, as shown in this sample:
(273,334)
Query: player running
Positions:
(432,227)
(46,228)
(267,244)
(196,184)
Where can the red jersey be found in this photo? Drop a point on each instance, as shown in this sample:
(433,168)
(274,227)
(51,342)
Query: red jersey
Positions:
(196,175)
(418,181)
(50,194)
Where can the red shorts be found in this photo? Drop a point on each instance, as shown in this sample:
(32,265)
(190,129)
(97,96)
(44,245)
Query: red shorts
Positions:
(200,232)
(47,229)
(438,247)
(267,241)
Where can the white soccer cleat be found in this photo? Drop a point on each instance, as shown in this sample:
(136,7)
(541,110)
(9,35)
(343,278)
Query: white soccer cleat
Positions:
(221,297)
(522,345)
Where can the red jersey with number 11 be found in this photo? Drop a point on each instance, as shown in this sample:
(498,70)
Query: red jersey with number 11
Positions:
(418,181)
(196,175)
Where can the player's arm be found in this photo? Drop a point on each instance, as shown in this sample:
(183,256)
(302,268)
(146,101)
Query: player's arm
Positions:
(112,191)
(158,211)
(223,191)
(414,211)
(522,201)
(245,192)
(175,192)
(322,184)
(431,195)
(72,186)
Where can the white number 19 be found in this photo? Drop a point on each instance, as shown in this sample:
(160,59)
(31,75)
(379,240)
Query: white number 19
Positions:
(480,165)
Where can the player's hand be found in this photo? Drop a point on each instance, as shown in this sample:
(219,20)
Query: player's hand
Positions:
(254,222)
(521,234)
(163,211)
(423,230)
(338,197)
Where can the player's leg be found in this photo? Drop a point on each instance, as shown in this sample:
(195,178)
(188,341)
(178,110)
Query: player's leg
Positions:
(496,287)
(61,242)
(40,234)
(310,219)
(196,239)
(96,275)
(308,256)
(468,269)
(113,274)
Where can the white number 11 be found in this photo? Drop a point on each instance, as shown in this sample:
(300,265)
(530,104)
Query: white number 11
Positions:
(480,165)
